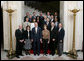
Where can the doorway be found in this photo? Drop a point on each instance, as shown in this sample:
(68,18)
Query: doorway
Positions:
(1,28)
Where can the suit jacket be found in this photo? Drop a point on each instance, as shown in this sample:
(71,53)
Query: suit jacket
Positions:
(52,21)
(25,18)
(57,27)
(19,35)
(33,17)
(37,35)
(53,33)
(41,20)
(44,22)
(48,26)
(58,18)
(26,34)
(30,19)
(61,34)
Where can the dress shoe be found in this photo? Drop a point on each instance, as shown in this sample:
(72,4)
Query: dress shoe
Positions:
(53,54)
(38,54)
(22,55)
(26,53)
(35,54)
(45,54)
(17,56)
(59,55)
(29,53)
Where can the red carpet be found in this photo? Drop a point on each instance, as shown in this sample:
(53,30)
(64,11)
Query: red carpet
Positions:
(41,46)
(31,51)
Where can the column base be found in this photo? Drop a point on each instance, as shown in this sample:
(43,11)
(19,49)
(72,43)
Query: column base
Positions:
(73,54)
(11,54)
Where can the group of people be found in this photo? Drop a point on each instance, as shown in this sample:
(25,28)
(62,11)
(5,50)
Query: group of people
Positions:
(46,31)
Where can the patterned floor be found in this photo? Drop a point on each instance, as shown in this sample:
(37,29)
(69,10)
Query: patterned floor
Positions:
(41,57)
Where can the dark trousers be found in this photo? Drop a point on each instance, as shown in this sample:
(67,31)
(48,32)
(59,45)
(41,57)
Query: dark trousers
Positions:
(45,45)
(36,46)
(60,49)
(52,47)
(19,48)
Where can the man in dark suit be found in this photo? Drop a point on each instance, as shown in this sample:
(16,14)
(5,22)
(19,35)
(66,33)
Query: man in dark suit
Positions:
(52,38)
(56,23)
(30,18)
(34,15)
(19,41)
(57,28)
(57,16)
(48,24)
(41,20)
(38,21)
(61,34)
(52,18)
(27,16)
(45,19)
(48,15)
(36,38)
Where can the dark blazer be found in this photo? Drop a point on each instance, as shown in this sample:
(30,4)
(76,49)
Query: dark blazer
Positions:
(19,35)
(30,19)
(41,19)
(61,34)
(33,17)
(52,21)
(25,18)
(58,18)
(48,26)
(19,45)
(38,23)
(53,33)
(44,22)
(26,34)
(37,35)
(57,27)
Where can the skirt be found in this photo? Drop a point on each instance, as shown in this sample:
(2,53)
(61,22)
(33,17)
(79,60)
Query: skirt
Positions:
(27,45)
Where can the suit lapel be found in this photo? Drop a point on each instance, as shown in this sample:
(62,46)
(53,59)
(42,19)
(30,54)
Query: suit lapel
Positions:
(37,29)
(34,30)
(20,31)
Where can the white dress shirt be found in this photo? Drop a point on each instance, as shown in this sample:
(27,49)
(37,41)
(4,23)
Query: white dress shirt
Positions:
(52,20)
(20,30)
(60,29)
(52,28)
(28,33)
(56,24)
(36,29)
(47,23)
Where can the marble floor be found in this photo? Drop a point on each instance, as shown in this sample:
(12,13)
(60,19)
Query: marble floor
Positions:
(41,57)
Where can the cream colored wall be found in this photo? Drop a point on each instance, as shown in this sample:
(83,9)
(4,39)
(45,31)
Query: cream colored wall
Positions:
(17,18)
(5,26)
(79,26)
(67,20)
